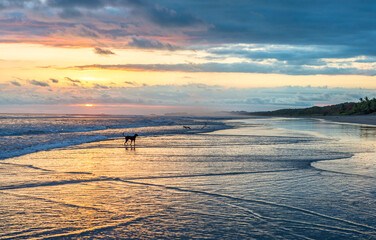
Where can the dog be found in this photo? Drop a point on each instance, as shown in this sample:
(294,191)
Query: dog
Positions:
(185,127)
(132,138)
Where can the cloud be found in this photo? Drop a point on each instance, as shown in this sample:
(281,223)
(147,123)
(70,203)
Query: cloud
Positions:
(70,13)
(290,31)
(39,83)
(308,54)
(144,67)
(11,4)
(100,86)
(85,32)
(246,99)
(149,44)
(72,80)
(76,3)
(54,80)
(171,18)
(239,67)
(292,22)
(104,52)
(15,83)
(130,83)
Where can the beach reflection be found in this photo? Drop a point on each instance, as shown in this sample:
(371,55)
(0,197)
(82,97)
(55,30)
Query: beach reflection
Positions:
(369,133)
(363,137)
(131,148)
(326,128)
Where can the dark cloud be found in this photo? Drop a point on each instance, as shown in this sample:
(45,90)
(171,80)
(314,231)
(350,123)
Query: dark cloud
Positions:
(172,18)
(39,83)
(72,80)
(293,22)
(337,23)
(15,83)
(149,44)
(130,83)
(69,13)
(85,31)
(101,51)
(54,80)
(100,86)
(299,55)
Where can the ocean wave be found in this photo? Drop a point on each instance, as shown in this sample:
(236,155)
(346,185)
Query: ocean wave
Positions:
(42,125)
(39,132)
(23,134)
(50,145)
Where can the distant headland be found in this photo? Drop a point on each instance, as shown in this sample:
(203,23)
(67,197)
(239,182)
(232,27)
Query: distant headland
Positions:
(365,106)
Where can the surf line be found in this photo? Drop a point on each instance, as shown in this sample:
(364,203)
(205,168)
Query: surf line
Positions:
(54,183)
(104,178)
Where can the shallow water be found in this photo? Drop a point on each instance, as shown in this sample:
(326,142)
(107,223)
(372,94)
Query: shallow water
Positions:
(254,181)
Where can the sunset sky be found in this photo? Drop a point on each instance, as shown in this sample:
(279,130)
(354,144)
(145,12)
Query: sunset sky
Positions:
(141,57)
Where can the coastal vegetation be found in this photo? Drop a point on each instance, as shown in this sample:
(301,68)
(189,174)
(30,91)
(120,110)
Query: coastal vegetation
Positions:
(364,106)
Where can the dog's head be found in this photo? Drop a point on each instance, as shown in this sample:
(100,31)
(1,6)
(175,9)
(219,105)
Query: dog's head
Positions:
(136,135)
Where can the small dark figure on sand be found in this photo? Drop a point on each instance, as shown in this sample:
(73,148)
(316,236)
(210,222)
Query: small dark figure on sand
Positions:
(132,138)
(185,127)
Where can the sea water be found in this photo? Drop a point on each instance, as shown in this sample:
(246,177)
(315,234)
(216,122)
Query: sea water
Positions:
(27,133)
(261,178)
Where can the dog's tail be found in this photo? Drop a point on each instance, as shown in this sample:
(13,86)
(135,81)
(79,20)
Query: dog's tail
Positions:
(123,134)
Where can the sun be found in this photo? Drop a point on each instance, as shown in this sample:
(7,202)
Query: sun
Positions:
(89,105)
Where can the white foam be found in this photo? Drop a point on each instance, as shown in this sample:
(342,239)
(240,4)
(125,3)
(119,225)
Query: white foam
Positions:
(48,146)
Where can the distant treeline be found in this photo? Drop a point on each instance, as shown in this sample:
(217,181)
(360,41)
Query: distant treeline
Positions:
(364,106)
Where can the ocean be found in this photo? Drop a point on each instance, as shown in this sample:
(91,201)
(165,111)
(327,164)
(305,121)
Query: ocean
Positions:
(71,177)
(26,133)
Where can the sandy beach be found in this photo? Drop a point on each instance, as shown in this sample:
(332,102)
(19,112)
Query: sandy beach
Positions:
(254,181)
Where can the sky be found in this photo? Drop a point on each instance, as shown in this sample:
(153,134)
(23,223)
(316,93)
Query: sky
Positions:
(168,56)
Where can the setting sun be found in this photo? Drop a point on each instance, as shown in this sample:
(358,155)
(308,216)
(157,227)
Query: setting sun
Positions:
(89,105)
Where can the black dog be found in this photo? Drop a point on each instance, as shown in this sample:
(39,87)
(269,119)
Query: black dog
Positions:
(132,138)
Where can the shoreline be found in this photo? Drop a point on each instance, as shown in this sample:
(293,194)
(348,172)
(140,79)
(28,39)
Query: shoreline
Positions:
(369,120)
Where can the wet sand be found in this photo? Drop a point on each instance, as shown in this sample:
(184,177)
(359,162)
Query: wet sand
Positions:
(251,182)
(357,119)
